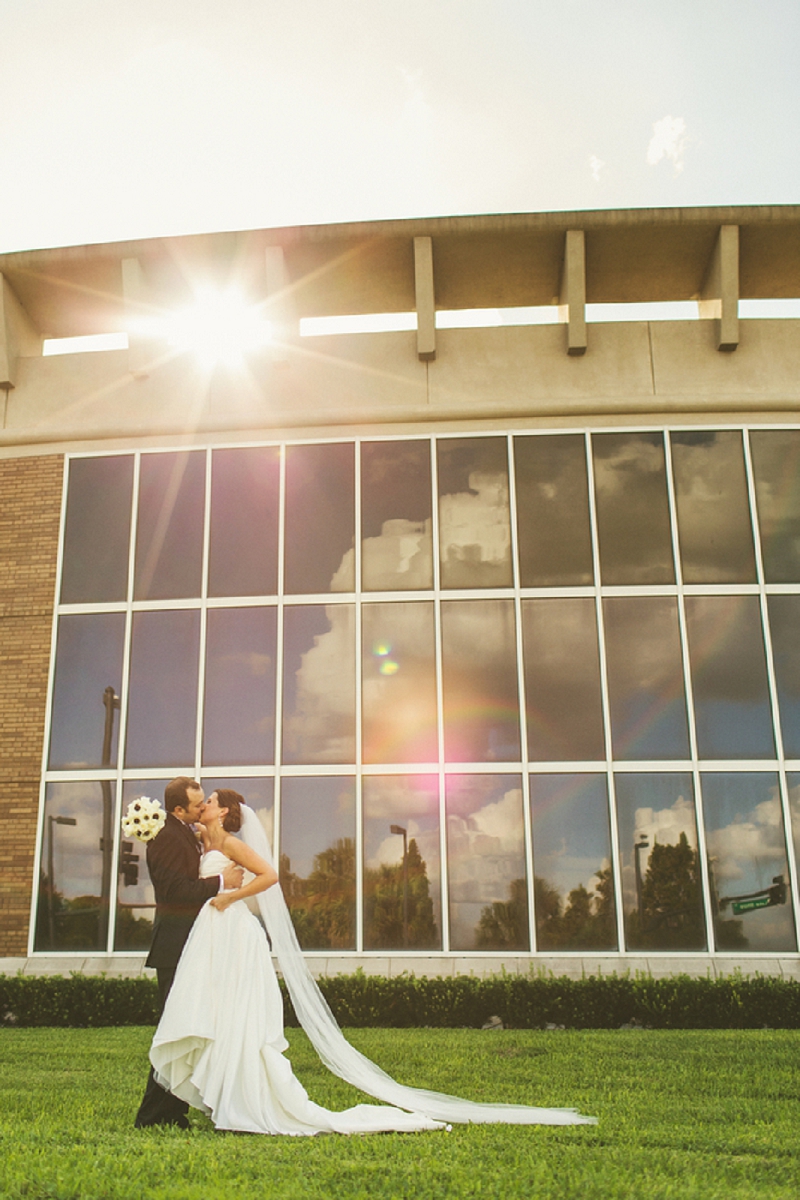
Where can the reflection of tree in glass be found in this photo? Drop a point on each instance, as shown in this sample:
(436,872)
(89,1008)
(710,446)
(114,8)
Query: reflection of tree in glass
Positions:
(587,922)
(323,906)
(671,902)
(504,924)
(75,922)
(130,932)
(383,905)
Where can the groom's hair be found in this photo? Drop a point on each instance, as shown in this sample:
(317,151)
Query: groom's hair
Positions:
(176,793)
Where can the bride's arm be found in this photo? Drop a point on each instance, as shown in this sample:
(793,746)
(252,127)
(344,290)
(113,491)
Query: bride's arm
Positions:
(244,856)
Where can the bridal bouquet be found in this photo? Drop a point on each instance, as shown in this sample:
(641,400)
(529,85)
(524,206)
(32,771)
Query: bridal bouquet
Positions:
(144,819)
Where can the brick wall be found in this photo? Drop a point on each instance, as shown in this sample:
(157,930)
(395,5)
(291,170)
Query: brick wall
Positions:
(30,505)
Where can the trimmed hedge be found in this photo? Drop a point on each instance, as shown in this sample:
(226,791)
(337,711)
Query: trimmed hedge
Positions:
(522,1002)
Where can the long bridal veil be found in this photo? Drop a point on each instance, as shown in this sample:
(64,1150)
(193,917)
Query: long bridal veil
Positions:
(333,1048)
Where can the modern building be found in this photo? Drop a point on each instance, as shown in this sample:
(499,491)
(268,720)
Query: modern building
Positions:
(467,549)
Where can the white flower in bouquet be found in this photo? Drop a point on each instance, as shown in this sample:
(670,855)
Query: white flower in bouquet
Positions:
(144,819)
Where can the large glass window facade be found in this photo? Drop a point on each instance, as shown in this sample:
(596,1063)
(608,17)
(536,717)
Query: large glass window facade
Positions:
(489,693)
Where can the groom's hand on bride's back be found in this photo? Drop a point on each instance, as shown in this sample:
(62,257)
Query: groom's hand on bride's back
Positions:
(232,877)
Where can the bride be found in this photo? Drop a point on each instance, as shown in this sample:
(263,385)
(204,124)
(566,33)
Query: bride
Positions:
(220,1045)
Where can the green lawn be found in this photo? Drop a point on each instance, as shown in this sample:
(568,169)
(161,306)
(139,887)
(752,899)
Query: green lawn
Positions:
(683,1114)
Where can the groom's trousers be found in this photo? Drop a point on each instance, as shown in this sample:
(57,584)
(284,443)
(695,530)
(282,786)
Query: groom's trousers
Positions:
(159,1107)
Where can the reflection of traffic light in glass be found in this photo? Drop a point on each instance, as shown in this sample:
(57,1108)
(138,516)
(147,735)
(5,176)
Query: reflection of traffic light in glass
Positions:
(777,893)
(128,865)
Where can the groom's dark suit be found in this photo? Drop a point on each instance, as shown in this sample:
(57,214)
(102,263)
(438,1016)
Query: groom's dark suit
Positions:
(173,860)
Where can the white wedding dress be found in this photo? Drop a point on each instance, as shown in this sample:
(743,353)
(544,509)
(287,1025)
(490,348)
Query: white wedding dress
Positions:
(220,1046)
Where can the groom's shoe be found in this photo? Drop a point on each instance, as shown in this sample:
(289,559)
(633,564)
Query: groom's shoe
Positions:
(179,1122)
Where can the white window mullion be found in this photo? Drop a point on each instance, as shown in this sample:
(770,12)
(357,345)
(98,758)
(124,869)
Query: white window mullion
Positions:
(437,633)
(616,857)
(527,821)
(276,799)
(359,846)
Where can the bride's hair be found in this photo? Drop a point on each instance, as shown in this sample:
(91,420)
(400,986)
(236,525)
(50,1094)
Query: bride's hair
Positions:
(227,798)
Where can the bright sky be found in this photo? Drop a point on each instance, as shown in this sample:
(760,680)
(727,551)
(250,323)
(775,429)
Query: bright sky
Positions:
(134,118)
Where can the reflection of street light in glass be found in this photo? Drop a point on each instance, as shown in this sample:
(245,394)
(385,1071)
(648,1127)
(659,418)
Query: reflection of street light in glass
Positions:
(642,844)
(398,829)
(51,821)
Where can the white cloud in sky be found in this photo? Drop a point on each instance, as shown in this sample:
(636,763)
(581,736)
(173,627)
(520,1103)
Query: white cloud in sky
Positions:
(668,141)
(596,166)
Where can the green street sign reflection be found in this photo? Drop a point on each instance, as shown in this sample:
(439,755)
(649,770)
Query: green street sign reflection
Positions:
(743,906)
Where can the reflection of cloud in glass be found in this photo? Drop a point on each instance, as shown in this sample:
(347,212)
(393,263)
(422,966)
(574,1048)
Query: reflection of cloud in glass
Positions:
(411,802)
(484,847)
(319,718)
(77,862)
(645,677)
(400,557)
(571,840)
(315,813)
(632,510)
(750,843)
(713,512)
(476,533)
(481,701)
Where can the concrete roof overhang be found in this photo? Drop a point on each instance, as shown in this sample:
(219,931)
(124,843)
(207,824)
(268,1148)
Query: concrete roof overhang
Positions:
(634,255)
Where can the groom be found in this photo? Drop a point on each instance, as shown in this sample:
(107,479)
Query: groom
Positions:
(173,860)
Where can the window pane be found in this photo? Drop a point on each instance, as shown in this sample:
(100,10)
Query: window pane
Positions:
(85,722)
(136,900)
(72,913)
(97,530)
(320,519)
(243,540)
(776,466)
(399,683)
(396,552)
(716,538)
(481,701)
(632,510)
(562,680)
(162,696)
(318,860)
(555,544)
(661,877)
(729,677)
(645,678)
(169,530)
(401,911)
(488,892)
(319,684)
(474,522)
(747,859)
(573,884)
(784,620)
(239,712)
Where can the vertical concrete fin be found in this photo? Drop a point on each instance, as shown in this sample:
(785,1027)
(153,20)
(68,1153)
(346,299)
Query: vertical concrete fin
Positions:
(134,293)
(18,337)
(423,286)
(281,308)
(572,300)
(719,296)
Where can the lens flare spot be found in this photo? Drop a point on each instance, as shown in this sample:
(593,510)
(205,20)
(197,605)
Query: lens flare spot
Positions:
(382,649)
(389,667)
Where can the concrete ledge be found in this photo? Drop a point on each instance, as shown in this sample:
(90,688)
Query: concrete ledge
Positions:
(433,966)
